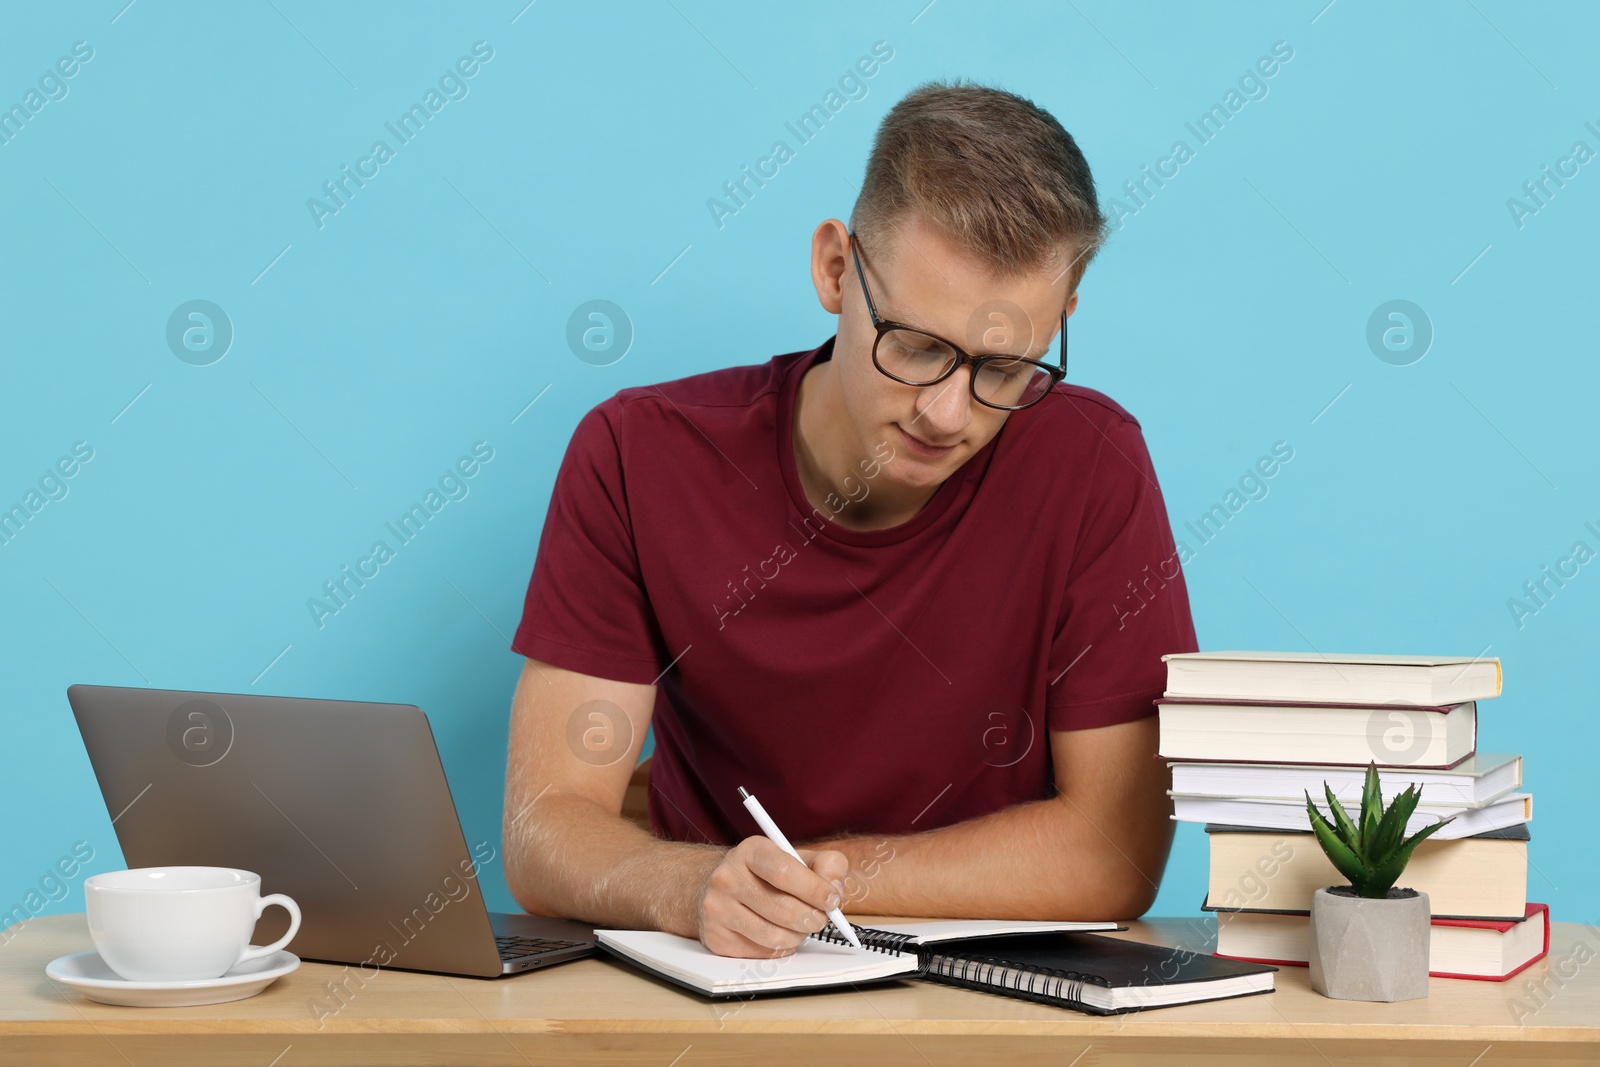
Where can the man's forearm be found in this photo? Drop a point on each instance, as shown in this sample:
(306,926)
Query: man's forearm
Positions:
(1040,860)
(567,856)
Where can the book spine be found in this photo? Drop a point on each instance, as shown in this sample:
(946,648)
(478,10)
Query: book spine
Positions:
(1431,974)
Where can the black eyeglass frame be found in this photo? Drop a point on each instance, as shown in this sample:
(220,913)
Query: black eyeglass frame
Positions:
(883,326)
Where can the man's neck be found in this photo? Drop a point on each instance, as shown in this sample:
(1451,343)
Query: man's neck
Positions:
(826,453)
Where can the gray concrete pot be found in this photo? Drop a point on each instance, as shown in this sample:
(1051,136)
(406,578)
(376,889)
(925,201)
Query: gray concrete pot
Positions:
(1366,948)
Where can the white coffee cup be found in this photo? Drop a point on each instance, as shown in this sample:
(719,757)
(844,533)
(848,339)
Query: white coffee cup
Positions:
(175,924)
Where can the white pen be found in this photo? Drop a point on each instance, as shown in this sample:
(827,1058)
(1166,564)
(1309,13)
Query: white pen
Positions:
(770,828)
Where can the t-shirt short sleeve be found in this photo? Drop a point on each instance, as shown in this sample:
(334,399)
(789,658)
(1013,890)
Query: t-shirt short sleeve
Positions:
(587,608)
(1126,603)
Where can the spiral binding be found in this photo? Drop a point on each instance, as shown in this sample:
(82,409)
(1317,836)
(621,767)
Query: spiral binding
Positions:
(989,973)
(874,940)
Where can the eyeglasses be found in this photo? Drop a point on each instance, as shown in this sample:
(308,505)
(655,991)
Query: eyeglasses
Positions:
(917,357)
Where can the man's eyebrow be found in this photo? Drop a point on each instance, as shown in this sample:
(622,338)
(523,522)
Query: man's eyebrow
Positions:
(887,314)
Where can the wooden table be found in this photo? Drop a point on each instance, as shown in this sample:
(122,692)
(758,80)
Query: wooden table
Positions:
(600,1011)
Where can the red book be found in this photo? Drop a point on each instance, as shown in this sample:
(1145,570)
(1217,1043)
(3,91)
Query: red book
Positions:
(1489,950)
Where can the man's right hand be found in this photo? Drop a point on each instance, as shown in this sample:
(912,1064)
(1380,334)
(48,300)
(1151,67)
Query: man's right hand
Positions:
(759,903)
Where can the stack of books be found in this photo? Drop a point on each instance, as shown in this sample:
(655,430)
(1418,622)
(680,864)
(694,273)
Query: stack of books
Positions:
(1248,734)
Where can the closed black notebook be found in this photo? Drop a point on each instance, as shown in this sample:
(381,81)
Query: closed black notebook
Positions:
(1045,962)
(1092,973)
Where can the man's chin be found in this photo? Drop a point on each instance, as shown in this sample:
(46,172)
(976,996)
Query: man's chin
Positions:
(914,473)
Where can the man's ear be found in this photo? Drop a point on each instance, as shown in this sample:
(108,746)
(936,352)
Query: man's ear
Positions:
(830,259)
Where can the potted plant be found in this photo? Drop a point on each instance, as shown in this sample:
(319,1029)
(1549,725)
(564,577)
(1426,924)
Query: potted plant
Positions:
(1369,939)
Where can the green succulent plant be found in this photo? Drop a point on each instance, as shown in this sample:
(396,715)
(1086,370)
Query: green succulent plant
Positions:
(1369,850)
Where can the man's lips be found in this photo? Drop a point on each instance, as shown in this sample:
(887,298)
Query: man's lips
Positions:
(917,444)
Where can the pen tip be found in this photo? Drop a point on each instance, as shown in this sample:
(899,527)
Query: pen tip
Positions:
(743,795)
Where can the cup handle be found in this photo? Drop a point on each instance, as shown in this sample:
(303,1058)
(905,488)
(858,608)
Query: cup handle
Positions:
(287,904)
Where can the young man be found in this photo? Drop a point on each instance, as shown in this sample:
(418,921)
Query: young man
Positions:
(911,593)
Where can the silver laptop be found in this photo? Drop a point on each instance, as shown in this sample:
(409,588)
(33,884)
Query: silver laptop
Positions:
(342,805)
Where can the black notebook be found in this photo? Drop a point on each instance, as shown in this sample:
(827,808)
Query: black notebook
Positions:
(1053,963)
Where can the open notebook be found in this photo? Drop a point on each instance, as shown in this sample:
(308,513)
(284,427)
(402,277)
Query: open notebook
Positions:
(1060,963)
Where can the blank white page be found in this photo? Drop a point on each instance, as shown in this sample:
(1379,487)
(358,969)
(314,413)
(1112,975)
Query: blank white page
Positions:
(814,963)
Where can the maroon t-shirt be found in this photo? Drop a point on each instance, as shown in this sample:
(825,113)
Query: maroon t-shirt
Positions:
(879,682)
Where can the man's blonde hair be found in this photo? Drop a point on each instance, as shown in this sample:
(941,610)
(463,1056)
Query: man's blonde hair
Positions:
(996,172)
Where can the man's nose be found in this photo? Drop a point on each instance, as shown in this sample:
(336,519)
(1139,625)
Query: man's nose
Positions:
(948,408)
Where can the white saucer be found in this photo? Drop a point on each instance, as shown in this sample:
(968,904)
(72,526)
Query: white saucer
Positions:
(88,974)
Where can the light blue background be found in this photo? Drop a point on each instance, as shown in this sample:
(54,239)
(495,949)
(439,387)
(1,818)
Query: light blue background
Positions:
(369,354)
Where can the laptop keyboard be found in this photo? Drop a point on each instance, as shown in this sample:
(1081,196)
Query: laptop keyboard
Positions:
(514,947)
